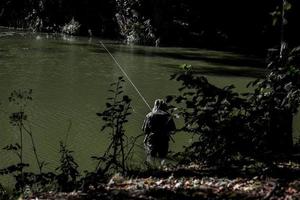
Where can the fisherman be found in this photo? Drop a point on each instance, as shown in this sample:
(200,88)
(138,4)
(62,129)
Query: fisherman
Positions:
(158,127)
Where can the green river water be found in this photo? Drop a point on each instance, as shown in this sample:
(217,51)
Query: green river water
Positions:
(70,77)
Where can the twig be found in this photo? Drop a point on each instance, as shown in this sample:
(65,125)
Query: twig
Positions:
(269,195)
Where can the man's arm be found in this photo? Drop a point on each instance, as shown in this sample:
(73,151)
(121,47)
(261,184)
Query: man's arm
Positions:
(146,126)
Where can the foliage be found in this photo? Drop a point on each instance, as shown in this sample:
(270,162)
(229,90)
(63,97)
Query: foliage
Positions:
(215,115)
(68,170)
(65,181)
(275,99)
(115,116)
(34,21)
(115,158)
(229,124)
(3,193)
(278,13)
(16,149)
(135,28)
(71,28)
(19,119)
(20,99)
(36,182)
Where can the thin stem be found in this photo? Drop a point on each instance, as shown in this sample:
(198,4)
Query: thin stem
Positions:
(21,154)
(122,153)
(107,151)
(133,145)
(34,148)
(68,131)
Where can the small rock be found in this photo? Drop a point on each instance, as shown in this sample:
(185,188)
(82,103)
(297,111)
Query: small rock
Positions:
(178,185)
(140,185)
(171,177)
(187,183)
(159,182)
(116,179)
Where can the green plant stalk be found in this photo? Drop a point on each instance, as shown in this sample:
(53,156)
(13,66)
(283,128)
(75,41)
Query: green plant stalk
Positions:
(21,155)
(112,121)
(34,149)
(121,139)
(114,116)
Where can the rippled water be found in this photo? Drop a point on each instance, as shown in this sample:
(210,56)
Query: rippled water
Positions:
(70,77)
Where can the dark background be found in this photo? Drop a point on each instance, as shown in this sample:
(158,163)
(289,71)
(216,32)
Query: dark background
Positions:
(250,24)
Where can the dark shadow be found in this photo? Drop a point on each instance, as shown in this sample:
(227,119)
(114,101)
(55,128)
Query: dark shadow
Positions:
(193,54)
(239,65)
(45,50)
(85,43)
(93,47)
(233,60)
(223,71)
(98,50)
(66,43)
(5,56)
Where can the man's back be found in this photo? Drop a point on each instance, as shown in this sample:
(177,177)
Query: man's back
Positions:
(159,122)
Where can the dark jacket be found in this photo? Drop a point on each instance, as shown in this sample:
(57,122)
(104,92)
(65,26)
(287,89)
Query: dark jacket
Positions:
(159,123)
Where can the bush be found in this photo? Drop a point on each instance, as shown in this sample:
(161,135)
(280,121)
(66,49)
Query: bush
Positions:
(229,124)
(135,28)
(68,170)
(71,28)
(115,116)
(216,115)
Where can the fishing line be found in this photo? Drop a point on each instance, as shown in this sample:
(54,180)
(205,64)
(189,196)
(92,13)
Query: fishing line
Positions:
(123,71)
(126,75)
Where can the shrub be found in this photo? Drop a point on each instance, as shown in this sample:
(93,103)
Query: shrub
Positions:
(115,116)
(68,170)
(229,124)
(71,28)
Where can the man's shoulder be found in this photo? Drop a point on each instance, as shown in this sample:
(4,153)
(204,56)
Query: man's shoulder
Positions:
(157,113)
(149,114)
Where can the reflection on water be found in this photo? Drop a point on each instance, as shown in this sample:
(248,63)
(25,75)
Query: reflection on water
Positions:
(70,77)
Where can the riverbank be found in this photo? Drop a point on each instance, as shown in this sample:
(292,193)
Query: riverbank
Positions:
(195,181)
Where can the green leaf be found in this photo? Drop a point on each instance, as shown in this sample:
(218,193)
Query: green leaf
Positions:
(287,6)
(185,66)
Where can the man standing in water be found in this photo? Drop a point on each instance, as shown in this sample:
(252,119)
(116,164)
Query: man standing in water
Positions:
(158,126)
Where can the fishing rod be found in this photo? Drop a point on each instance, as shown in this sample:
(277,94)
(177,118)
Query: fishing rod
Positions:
(129,79)
(126,75)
